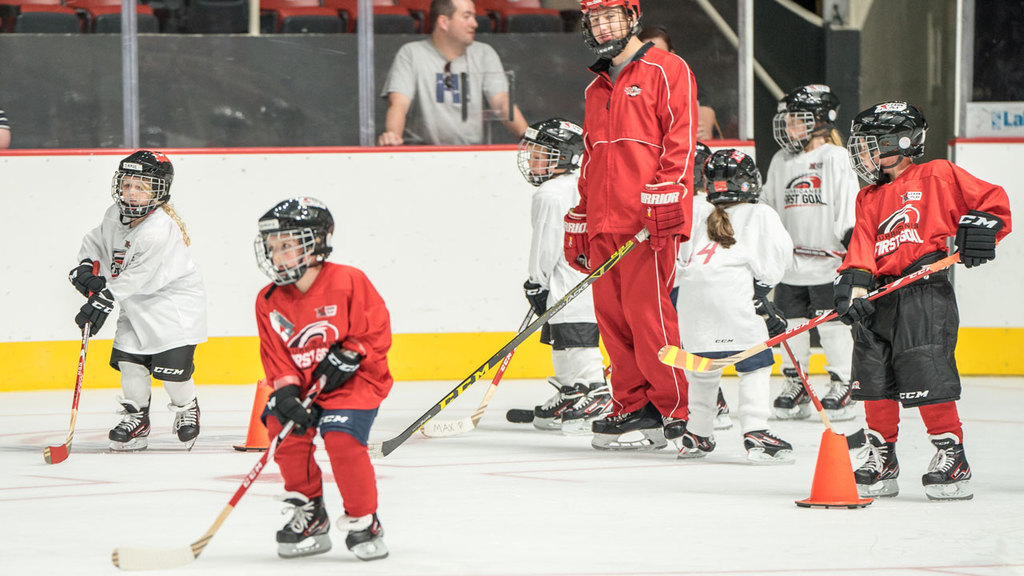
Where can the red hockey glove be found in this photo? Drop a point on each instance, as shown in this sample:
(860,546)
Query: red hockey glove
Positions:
(663,213)
(576,243)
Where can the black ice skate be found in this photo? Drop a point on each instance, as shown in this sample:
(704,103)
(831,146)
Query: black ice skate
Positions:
(876,478)
(764,447)
(186,422)
(596,404)
(132,431)
(837,403)
(548,416)
(949,474)
(691,445)
(365,536)
(640,430)
(722,419)
(792,403)
(306,533)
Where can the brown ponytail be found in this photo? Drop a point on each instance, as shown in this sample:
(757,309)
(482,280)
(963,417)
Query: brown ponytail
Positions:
(720,228)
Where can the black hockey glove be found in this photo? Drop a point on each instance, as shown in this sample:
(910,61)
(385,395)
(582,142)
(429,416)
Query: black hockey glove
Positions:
(285,405)
(95,311)
(976,237)
(340,364)
(83,279)
(764,308)
(537,297)
(852,307)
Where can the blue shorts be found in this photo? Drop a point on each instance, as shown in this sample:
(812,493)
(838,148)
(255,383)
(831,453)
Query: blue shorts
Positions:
(355,423)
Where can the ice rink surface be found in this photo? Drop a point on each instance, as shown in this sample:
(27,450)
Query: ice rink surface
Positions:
(504,499)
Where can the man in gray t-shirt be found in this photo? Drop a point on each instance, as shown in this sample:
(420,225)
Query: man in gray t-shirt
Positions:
(426,83)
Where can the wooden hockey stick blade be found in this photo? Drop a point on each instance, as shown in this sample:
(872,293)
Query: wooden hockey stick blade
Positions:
(389,446)
(448,428)
(678,358)
(131,559)
(59,453)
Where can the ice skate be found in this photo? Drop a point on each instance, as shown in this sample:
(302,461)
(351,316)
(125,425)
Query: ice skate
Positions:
(365,536)
(949,474)
(132,431)
(306,533)
(837,403)
(548,416)
(876,478)
(690,445)
(186,422)
(793,403)
(596,404)
(764,447)
(722,419)
(640,430)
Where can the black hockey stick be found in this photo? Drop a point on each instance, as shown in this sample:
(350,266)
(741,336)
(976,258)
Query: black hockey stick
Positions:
(163,559)
(388,446)
(674,356)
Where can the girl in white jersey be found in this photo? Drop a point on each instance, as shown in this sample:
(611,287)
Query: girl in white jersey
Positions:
(549,154)
(144,265)
(813,188)
(737,251)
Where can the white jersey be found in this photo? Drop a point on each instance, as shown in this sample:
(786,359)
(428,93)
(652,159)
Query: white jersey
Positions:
(716,285)
(548,267)
(814,193)
(153,280)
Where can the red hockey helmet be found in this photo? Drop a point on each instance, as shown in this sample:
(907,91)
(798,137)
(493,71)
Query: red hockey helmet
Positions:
(610,48)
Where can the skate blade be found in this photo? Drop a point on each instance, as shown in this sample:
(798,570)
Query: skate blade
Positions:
(133,445)
(313,545)
(547,423)
(688,454)
(579,427)
(759,457)
(723,422)
(847,412)
(881,489)
(799,412)
(639,440)
(955,491)
(373,550)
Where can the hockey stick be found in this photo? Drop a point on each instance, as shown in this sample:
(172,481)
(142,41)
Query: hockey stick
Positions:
(807,386)
(443,428)
(679,358)
(801,251)
(162,559)
(59,453)
(388,446)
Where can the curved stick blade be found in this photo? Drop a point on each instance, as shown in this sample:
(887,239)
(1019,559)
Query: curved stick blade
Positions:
(148,559)
(447,428)
(679,358)
(55,454)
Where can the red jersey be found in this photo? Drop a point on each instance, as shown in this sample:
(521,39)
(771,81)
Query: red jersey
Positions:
(297,329)
(901,221)
(640,130)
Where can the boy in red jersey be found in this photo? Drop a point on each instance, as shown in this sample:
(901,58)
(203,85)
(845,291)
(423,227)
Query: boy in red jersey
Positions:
(637,171)
(904,342)
(319,319)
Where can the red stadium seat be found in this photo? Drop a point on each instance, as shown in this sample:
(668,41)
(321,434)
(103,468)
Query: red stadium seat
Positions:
(301,16)
(388,18)
(47,18)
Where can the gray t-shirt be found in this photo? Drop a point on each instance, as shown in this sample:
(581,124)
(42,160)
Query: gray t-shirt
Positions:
(435,116)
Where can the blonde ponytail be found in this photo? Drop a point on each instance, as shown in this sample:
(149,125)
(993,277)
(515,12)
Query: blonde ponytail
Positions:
(177,220)
(834,138)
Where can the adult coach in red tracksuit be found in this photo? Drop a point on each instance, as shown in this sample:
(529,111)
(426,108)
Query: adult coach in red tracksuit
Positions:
(637,171)
(321,320)
(904,341)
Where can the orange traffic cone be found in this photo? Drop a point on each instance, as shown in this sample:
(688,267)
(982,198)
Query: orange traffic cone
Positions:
(834,486)
(258,438)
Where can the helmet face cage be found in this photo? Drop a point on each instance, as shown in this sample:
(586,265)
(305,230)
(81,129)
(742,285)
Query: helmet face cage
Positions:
(295,250)
(793,130)
(598,9)
(548,149)
(804,113)
(890,129)
(732,176)
(865,157)
(142,183)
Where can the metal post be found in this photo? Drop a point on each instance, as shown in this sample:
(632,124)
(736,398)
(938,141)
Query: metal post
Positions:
(745,51)
(130,73)
(964,64)
(364,28)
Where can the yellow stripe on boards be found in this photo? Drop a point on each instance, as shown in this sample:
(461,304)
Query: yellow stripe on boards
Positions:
(235,360)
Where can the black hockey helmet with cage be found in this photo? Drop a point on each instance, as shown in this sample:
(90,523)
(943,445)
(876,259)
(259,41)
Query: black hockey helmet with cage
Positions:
(150,171)
(701,153)
(805,112)
(611,48)
(301,229)
(890,129)
(550,148)
(732,176)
